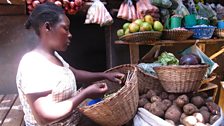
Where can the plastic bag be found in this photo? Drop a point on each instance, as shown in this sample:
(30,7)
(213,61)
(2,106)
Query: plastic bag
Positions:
(145,118)
(162,3)
(205,11)
(181,9)
(191,7)
(127,11)
(148,67)
(204,58)
(220,12)
(98,14)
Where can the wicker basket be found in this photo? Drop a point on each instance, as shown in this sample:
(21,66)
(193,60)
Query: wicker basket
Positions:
(181,79)
(176,34)
(147,81)
(119,108)
(147,37)
(219,33)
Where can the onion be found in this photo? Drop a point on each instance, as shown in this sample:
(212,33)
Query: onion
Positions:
(35,3)
(72,4)
(29,1)
(30,7)
(190,59)
(65,3)
(58,3)
(51,1)
(42,1)
(78,2)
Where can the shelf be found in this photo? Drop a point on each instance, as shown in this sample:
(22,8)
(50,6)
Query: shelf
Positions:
(171,42)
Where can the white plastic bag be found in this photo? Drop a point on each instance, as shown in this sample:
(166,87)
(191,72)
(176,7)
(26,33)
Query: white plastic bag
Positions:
(145,118)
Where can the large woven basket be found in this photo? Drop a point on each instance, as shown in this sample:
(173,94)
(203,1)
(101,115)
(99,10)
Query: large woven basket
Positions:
(146,37)
(219,33)
(147,81)
(176,34)
(119,108)
(181,78)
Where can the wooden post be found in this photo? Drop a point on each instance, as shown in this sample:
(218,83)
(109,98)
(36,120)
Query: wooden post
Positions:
(134,53)
(221,95)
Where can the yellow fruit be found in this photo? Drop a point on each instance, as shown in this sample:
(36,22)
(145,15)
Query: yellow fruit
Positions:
(126,25)
(133,27)
(139,22)
(120,32)
(146,26)
(149,19)
(157,26)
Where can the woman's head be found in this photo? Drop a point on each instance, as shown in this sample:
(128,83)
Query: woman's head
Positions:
(51,24)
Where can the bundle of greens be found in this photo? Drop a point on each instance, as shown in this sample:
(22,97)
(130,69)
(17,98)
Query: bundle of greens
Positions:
(167,59)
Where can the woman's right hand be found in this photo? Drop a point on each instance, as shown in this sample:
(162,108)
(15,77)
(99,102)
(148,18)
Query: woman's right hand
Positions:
(96,90)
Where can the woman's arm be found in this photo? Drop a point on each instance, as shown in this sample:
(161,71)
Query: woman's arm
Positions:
(88,77)
(47,111)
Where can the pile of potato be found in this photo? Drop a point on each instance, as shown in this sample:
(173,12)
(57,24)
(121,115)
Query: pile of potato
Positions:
(181,109)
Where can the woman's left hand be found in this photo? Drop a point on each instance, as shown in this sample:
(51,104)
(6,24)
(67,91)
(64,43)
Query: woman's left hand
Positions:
(115,77)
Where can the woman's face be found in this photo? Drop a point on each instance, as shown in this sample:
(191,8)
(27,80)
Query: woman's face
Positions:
(60,34)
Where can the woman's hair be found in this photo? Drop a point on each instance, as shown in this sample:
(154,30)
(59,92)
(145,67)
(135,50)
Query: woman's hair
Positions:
(47,12)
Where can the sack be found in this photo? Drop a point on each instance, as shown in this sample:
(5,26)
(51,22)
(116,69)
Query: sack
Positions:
(204,58)
(145,118)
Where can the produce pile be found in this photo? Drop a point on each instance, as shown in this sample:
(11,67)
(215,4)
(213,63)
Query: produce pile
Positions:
(181,109)
(70,6)
(140,25)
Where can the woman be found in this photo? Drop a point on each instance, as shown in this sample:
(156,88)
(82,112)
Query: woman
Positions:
(45,82)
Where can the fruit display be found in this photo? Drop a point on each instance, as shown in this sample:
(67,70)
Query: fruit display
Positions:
(98,14)
(181,109)
(70,7)
(127,11)
(140,25)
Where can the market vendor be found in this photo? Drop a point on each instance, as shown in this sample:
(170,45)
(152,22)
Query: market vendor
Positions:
(46,83)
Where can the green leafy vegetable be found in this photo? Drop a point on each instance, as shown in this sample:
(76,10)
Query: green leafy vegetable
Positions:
(168,59)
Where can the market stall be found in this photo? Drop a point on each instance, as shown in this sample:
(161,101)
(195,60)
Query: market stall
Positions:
(161,88)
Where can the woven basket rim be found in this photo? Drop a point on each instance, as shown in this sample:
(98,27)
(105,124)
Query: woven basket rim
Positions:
(138,33)
(170,30)
(181,66)
(114,94)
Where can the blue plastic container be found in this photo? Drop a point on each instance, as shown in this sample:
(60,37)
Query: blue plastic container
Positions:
(94,101)
(202,32)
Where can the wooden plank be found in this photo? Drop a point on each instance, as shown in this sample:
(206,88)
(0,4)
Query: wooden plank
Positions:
(6,105)
(15,115)
(171,42)
(1,97)
(12,9)
(201,46)
(15,2)
(134,54)
(221,95)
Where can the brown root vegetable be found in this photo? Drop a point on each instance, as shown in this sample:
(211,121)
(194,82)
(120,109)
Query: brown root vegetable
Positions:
(214,108)
(189,109)
(150,93)
(171,122)
(214,118)
(183,115)
(203,95)
(173,113)
(160,105)
(199,124)
(206,116)
(189,121)
(167,102)
(142,102)
(156,110)
(199,117)
(203,108)
(172,97)
(147,106)
(163,95)
(198,101)
(155,99)
(182,100)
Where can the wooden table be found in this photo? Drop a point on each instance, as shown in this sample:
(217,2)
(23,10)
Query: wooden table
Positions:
(134,46)
(11,113)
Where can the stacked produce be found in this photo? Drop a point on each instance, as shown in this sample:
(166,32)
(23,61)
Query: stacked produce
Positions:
(127,11)
(144,7)
(98,14)
(71,7)
(140,25)
(181,109)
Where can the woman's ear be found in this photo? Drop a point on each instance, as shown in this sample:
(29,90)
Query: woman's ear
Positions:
(47,26)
